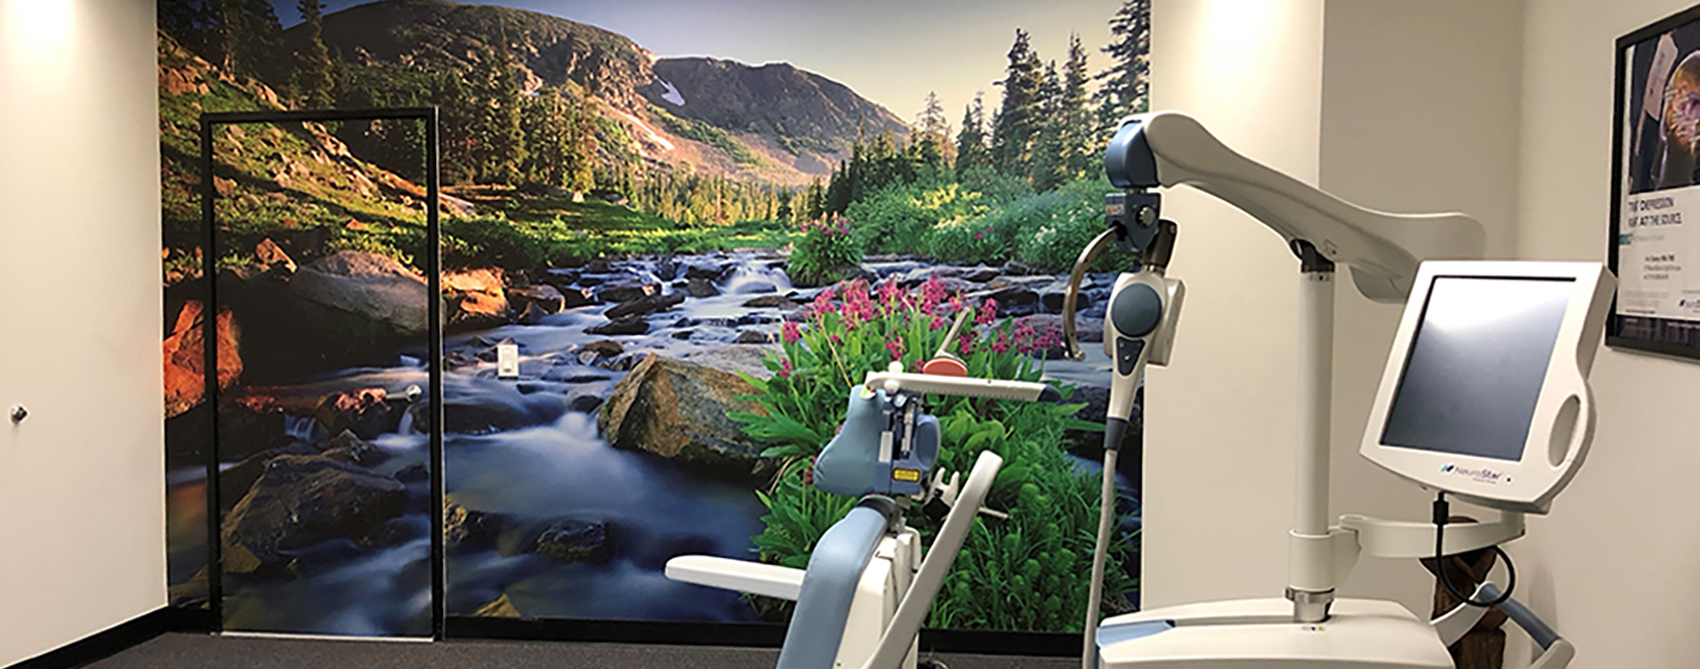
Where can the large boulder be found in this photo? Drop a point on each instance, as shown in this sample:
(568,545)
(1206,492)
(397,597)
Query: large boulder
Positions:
(376,291)
(185,357)
(679,410)
(735,358)
(476,299)
(303,500)
(543,296)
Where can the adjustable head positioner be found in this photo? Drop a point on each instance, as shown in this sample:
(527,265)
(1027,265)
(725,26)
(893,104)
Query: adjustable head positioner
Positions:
(1167,149)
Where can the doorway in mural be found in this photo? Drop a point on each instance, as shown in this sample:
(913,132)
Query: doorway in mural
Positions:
(327,449)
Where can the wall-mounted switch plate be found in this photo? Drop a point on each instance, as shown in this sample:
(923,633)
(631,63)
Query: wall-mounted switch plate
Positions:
(507,360)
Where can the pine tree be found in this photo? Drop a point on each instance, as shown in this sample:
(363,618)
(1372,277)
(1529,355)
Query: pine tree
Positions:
(499,141)
(315,87)
(931,141)
(971,150)
(1125,86)
(581,158)
(250,38)
(1081,153)
(1047,169)
(1017,122)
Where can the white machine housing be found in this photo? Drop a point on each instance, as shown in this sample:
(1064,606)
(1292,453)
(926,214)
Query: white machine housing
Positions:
(1562,424)
(878,592)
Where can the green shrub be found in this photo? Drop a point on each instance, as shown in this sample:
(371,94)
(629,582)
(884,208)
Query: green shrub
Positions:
(1057,226)
(1029,572)
(825,251)
(901,218)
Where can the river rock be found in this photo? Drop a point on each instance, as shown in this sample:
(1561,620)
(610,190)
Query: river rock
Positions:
(476,299)
(626,290)
(767,301)
(374,291)
(272,259)
(365,412)
(704,269)
(699,287)
(630,326)
(304,500)
(755,287)
(502,607)
(465,528)
(584,401)
(751,337)
(578,297)
(570,541)
(665,269)
(604,347)
(185,357)
(350,448)
(1008,281)
(644,306)
(679,410)
(736,358)
(531,315)
(980,274)
(413,473)
(545,297)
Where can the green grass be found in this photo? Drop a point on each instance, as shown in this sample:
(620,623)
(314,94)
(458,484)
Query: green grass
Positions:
(555,231)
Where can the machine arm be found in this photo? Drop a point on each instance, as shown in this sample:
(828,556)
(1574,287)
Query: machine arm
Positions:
(1167,149)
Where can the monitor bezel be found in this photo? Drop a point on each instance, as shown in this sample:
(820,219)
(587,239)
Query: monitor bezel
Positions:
(1553,450)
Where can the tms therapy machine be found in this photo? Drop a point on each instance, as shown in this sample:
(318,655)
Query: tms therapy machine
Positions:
(1484,398)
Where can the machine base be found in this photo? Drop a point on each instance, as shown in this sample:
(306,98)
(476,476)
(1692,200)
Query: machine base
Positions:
(1241,634)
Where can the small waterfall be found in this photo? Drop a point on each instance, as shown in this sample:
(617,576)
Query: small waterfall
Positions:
(406,425)
(745,275)
(299,428)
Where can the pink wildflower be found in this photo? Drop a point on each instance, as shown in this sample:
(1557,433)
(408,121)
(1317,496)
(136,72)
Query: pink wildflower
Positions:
(965,343)
(895,347)
(1001,346)
(936,324)
(785,369)
(988,312)
(791,333)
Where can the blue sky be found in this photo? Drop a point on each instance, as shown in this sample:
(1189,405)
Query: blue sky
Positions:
(890,51)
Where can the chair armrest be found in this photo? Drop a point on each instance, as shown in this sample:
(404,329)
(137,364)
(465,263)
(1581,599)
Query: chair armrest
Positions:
(741,575)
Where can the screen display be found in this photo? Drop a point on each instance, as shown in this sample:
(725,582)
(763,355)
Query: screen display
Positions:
(1476,365)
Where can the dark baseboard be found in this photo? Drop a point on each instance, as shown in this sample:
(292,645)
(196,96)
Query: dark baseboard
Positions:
(103,644)
(754,635)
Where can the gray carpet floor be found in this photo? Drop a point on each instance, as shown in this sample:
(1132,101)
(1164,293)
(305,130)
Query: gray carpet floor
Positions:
(200,651)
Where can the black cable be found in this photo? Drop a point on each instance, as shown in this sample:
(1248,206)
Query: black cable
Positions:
(1443,515)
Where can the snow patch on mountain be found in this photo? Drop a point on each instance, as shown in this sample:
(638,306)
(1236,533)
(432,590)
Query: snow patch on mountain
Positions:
(654,137)
(672,95)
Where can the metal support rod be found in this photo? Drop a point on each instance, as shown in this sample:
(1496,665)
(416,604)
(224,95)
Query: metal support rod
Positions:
(209,369)
(1310,569)
(434,310)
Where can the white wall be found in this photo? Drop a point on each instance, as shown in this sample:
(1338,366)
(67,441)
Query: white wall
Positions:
(82,480)
(1396,105)
(1617,564)
(1420,113)
(1220,419)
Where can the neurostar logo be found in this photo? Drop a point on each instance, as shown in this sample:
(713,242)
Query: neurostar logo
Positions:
(1483,475)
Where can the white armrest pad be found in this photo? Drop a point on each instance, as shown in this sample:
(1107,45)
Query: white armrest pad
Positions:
(741,575)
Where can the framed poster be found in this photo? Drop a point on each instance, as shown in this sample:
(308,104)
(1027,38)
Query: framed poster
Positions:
(1655,205)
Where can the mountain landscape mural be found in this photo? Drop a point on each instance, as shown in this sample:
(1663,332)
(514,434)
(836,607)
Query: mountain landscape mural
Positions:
(693,255)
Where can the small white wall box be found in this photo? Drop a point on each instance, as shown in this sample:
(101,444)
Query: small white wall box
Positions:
(507,359)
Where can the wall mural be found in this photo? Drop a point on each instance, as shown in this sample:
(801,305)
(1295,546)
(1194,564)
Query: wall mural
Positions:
(694,256)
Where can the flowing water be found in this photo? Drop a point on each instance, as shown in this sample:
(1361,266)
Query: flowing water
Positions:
(541,461)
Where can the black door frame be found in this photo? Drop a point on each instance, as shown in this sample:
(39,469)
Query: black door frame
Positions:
(209,337)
